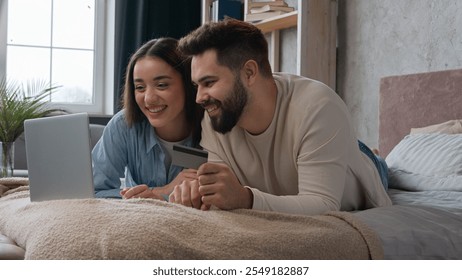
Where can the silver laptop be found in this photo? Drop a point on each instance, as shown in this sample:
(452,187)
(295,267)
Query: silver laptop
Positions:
(58,152)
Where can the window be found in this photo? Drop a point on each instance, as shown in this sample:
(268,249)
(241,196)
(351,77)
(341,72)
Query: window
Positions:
(64,42)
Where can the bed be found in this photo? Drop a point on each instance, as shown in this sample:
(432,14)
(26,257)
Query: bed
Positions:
(421,138)
(425,221)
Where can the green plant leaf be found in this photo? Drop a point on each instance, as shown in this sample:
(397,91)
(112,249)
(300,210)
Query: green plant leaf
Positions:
(21,102)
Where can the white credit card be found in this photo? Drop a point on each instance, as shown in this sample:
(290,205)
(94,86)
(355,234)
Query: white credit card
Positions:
(188,157)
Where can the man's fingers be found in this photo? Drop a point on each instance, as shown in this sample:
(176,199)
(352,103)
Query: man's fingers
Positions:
(207,179)
(209,167)
(205,207)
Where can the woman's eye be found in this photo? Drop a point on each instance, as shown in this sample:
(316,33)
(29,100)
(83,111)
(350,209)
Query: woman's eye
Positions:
(162,85)
(139,87)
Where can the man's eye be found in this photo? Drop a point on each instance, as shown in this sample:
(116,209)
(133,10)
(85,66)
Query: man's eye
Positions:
(209,83)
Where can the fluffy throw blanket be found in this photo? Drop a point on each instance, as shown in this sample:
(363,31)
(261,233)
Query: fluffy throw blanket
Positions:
(151,229)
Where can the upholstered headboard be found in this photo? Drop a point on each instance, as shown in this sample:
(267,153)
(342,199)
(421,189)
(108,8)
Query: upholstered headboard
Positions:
(417,100)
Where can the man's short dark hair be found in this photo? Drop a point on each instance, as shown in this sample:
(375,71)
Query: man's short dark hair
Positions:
(235,42)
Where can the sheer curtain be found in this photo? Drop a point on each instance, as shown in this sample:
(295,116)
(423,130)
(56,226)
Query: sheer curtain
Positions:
(138,21)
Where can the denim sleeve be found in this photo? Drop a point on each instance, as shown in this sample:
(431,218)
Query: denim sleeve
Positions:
(112,193)
(110,158)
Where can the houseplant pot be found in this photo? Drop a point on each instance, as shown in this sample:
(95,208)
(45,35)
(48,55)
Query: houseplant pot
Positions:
(6,159)
(18,103)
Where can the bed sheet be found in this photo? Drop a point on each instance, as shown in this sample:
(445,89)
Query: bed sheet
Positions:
(449,200)
(422,225)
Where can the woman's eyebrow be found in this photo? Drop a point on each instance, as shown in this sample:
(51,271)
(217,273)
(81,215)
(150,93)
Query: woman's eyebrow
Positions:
(161,77)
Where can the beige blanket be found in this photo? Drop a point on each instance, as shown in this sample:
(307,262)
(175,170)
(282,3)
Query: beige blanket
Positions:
(151,229)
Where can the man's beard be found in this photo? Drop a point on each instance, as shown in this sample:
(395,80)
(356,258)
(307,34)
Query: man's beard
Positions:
(231,108)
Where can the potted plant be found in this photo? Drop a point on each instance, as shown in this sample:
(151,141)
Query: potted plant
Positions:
(18,103)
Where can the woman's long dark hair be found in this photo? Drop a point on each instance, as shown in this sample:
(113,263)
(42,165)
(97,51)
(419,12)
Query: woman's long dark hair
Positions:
(165,49)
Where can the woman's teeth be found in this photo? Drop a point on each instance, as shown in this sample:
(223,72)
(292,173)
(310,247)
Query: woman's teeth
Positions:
(157,109)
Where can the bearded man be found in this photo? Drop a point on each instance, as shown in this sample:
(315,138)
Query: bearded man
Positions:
(276,142)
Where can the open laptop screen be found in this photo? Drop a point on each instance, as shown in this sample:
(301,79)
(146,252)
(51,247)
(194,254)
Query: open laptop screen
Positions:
(58,154)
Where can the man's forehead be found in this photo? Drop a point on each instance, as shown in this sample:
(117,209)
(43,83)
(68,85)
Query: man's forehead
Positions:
(204,64)
(207,57)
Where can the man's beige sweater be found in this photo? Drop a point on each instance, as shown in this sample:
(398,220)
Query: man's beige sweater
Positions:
(307,161)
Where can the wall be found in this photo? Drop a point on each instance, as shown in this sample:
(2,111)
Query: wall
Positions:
(288,45)
(378,38)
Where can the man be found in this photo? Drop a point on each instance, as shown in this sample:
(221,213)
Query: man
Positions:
(276,142)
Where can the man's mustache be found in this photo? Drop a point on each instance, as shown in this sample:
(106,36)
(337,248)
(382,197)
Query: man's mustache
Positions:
(210,102)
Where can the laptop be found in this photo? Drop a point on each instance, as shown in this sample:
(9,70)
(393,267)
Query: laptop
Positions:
(58,152)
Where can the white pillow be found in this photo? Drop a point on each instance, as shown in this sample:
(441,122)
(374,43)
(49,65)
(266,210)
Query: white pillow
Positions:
(399,179)
(428,154)
(427,162)
(449,127)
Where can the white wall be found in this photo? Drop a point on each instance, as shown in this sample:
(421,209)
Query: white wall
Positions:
(378,38)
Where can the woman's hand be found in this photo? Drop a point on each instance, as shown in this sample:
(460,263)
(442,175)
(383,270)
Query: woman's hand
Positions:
(140,191)
(187,194)
(185,175)
(143,191)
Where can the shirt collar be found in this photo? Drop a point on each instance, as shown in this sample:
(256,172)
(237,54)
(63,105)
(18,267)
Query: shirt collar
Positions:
(152,140)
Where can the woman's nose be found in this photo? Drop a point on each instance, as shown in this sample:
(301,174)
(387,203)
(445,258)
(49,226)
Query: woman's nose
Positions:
(150,96)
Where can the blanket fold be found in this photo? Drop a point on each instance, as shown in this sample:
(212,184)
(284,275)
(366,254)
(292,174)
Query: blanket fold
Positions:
(151,229)
(13,184)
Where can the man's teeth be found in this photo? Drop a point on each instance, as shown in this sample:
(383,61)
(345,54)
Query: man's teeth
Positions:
(211,109)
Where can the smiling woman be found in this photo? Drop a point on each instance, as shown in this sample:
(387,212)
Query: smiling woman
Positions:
(159,93)
(159,111)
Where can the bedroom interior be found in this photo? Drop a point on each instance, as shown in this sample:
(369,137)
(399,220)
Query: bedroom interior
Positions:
(394,77)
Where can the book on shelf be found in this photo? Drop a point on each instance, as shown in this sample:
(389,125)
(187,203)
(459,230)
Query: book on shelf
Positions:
(261,16)
(279,3)
(270,8)
(219,9)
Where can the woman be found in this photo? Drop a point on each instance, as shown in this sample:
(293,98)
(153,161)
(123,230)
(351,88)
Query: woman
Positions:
(159,110)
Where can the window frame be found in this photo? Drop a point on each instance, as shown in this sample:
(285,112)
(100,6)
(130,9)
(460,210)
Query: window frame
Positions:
(103,74)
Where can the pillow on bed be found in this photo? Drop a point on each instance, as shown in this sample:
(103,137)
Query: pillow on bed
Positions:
(449,127)
(426,162)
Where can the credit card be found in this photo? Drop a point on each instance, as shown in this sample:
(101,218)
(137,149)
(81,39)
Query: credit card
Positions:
(188,157)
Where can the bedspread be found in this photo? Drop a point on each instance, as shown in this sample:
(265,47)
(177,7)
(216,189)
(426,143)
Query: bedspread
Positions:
(152,229)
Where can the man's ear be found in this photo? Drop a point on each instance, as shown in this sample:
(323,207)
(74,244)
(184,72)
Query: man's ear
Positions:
(250,71)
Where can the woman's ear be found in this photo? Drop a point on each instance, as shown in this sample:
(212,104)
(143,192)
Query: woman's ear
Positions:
(250,71)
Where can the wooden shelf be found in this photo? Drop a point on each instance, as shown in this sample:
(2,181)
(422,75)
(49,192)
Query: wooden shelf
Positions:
(316,43)
(278,22)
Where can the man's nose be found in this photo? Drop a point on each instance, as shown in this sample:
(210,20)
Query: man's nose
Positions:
(201,95)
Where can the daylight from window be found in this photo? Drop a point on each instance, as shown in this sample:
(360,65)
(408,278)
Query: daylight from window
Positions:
(53,40)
